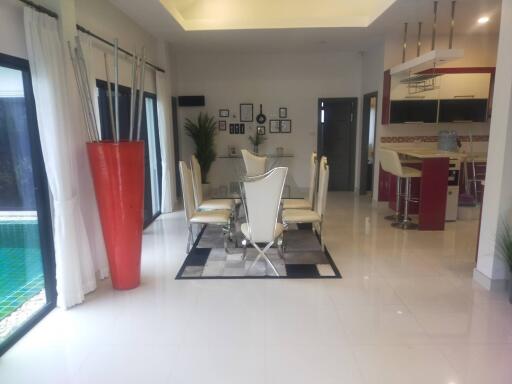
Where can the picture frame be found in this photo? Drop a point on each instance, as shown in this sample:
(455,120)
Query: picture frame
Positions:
(223,112)
(285,126)
(231,128)
(246,112)
(237,129)
(274,126)
(242,128)
(283,113)
(260,130)
(221,125)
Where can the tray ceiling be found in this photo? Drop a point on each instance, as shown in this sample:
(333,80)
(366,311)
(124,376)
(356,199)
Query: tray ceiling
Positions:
(202,15)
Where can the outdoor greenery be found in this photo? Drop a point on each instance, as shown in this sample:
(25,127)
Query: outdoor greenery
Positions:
(203,131)
(505,244)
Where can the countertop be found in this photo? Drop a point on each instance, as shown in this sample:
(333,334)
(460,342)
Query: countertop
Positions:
(430,153)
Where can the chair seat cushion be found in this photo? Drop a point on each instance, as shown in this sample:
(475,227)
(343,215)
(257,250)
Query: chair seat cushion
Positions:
(216,204)
(300,216)
(296,204)
(219,216)
(410,172)
(277,231)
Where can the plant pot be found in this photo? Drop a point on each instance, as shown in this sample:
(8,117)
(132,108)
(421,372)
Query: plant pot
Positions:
(118,175)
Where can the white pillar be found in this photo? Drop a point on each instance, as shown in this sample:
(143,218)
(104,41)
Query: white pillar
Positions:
(490,270)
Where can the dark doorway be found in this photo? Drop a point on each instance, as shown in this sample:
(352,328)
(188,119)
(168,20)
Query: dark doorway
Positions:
(368,142)
(176,139)
(337,119)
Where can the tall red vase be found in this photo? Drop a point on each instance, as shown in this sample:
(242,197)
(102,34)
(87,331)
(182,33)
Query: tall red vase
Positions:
(118,175)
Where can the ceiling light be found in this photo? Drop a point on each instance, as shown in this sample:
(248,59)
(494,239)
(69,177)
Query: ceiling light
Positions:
(483,20)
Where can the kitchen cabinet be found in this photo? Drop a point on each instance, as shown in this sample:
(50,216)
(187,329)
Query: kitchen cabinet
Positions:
(464,86)
(462,110)
(413,111)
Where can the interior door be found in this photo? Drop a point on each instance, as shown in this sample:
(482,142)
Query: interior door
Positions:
(337,134)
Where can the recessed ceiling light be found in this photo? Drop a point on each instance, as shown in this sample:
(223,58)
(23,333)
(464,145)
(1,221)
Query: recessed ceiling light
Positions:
(483,20)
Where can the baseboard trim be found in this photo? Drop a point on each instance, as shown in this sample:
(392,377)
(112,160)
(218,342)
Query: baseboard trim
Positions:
(489,284)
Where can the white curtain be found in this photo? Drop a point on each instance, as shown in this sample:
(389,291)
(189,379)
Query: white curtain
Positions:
(59,129)
(165,129)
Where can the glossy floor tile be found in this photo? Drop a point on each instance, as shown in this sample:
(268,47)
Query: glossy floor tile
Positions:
(406,311)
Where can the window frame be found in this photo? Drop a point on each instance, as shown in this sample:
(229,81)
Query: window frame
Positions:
(42,203)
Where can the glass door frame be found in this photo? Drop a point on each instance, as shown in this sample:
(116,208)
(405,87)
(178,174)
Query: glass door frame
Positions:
(42,203)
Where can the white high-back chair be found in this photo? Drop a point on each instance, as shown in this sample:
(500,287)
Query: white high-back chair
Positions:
(220,217)
(262,198)
(313,216)
(254,165)
(201,204)
(306,203)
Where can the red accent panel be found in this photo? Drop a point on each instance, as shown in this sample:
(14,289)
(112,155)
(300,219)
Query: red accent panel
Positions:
(384,185)
(118,175)
(433,192)
(448,70)
(386,97)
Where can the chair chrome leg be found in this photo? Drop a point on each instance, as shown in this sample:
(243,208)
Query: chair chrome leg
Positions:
(397,216)
(406,223)
(244,245)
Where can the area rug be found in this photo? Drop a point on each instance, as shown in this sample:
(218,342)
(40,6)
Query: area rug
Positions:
(303,258)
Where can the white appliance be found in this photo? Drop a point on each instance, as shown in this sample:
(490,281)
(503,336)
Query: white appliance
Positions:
(452,197)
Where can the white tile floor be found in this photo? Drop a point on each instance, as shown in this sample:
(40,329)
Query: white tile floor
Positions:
(406,311)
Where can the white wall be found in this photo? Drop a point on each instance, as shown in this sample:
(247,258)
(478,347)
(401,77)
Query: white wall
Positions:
(295,81)
(107,21)
(12,33)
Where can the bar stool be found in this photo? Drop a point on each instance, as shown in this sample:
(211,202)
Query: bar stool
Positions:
(391,163)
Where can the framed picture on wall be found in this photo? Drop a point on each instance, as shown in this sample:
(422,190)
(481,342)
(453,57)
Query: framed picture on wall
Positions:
(274,126)
(246,112)
(283,113)
(222,125)
(286,126)
(223,112)
(260,129)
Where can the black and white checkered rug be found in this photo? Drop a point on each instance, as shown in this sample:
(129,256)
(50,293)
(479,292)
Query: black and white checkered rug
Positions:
(303,258)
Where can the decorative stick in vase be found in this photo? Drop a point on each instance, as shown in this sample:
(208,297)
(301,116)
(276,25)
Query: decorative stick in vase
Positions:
(109,97)
(141,92)
(133,93)
(116,90)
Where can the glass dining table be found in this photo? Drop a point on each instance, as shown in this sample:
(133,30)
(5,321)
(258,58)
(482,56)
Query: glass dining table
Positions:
(230,170)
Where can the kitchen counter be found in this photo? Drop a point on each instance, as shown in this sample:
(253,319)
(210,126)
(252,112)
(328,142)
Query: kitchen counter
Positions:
(426,153)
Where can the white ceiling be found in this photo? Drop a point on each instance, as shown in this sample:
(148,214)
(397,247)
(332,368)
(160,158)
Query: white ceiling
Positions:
(155,18)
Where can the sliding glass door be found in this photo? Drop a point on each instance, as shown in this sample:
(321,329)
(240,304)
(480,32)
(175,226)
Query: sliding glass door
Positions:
(149,133)
(27,272)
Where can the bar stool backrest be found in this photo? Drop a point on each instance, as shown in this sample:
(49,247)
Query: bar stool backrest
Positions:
(313,174)
(390,162)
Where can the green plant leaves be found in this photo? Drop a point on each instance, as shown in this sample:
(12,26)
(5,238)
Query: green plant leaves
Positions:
(203,131)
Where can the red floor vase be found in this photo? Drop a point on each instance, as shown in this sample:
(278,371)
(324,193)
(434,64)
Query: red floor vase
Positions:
(118,175)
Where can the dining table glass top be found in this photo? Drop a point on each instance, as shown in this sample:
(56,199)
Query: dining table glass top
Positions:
(229,171)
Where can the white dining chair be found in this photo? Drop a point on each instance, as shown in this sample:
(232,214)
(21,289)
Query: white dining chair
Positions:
(261,197)
(312,216)
(307,202)
(201,204)
(254,165)
(221,217)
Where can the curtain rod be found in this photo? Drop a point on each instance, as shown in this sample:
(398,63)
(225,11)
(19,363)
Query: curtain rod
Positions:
(105,41)
(40,8)
(50,13)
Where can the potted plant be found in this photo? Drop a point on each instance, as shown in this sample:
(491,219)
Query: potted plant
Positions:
(256,141)
(505,251)
(203,131)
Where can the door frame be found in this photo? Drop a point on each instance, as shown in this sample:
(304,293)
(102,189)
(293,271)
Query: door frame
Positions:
(42,202)
(353,131)
(365,136)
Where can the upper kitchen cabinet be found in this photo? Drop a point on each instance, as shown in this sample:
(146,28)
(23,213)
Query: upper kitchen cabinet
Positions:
(464,86)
